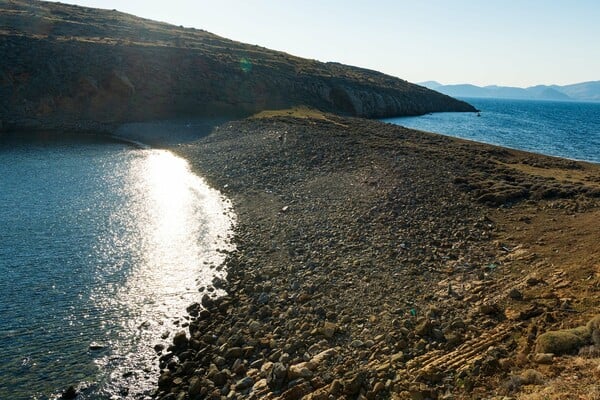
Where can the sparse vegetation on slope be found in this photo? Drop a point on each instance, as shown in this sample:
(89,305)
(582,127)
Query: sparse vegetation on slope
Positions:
(76,67)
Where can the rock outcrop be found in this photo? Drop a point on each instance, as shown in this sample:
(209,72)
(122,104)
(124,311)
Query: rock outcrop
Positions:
(66,66)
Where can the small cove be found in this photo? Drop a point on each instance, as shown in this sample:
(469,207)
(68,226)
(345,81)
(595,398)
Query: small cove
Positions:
(102,247)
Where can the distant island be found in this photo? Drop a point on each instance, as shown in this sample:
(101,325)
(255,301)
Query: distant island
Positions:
(584,91)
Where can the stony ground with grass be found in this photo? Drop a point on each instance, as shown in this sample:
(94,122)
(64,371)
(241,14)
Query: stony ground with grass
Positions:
(378,262)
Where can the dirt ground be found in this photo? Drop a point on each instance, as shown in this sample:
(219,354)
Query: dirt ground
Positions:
(375,262)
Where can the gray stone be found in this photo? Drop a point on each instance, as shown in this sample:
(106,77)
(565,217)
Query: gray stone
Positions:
(515,294)
(244,383)
(543,358)
(195,386)
(263,298)
(180,339)
(276,376)
(233,352)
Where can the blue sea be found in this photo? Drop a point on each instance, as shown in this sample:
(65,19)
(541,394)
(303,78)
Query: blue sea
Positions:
(102,248)
(564,129)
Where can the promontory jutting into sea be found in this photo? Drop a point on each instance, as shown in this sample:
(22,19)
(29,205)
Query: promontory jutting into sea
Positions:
(187,217)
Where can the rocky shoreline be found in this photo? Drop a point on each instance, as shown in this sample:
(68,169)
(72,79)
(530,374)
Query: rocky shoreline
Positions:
(373,262)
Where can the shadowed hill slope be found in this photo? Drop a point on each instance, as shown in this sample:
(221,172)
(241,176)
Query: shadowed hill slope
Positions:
(67,66)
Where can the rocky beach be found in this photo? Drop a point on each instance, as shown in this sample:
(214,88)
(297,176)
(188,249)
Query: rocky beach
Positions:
(374,261)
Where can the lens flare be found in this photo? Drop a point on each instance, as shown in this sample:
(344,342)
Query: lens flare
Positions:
(246,65)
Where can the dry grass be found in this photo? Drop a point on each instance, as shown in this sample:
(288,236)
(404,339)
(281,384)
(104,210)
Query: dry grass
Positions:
(555,240)
(560,174)
(578,380)
(298,112)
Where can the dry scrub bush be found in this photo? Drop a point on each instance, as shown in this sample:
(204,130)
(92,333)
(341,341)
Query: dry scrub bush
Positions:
(565,341)
(568,341)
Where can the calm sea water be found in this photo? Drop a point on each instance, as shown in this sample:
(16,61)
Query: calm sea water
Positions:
(102,246)
(564,129)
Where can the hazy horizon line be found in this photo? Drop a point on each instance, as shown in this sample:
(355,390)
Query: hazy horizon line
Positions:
(506,85)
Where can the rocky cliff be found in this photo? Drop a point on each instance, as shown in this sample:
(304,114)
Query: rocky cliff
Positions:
(66,66)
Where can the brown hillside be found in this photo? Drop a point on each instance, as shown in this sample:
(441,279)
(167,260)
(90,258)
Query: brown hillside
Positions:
(68,66)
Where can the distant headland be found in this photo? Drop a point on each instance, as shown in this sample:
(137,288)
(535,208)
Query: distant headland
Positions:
(584,91)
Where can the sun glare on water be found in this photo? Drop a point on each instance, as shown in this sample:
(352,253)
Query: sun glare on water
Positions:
(176,226)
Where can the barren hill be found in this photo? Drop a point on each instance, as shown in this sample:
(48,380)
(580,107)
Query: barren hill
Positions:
(67,66)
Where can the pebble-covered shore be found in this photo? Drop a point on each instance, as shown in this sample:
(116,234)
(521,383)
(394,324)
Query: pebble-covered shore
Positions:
(367,265)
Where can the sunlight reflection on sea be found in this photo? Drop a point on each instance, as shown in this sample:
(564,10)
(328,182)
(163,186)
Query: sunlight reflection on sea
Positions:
(175,225)
(102,250)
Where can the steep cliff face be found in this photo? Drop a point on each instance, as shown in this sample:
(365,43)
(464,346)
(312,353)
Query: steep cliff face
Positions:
(68,66)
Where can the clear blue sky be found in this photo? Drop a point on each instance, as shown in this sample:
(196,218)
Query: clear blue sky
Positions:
(510,42)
